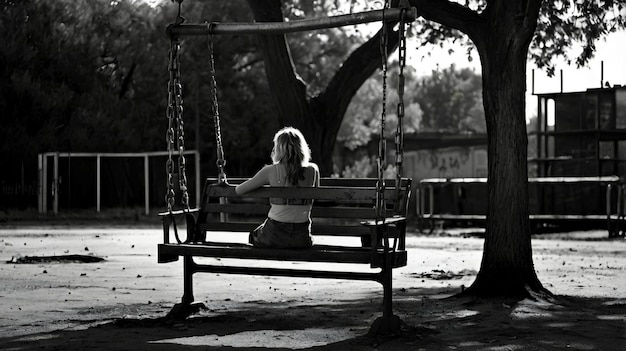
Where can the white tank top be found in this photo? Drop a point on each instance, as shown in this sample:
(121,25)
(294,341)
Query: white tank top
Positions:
(290,213)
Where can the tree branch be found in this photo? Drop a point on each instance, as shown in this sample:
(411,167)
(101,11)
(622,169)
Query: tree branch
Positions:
(531,17)
(277,61)
(451,15)
(357,68)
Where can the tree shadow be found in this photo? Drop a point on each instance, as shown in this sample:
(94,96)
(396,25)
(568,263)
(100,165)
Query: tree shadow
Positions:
(560,322)
(433,320)
(252,325)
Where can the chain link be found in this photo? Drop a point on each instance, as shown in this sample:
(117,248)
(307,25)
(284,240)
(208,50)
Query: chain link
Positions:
(221,162)
(175,136)
(382,143)
(169,136)
(400,111)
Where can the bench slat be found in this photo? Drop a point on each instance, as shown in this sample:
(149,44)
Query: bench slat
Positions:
(316,228)
(321,229)
(314,254)
(341,182)
(317,212)
(321,193)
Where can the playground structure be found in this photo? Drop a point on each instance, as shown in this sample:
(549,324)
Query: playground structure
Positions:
(577,167)
(562,202)
(70,180)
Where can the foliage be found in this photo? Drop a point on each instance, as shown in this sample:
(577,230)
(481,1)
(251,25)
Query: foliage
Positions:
(567,24)
(68,73)
(360,169)
(452,101)
(565,29)
(92,76)
(448,100)
(317,55)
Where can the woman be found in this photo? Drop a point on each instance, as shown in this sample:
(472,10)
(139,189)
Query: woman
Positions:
(288,223)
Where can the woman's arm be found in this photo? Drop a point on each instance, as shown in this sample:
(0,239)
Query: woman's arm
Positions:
(317,177)
(316,183)
(260,178)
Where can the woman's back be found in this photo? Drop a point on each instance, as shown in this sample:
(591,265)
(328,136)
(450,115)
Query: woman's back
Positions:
(292,210)
(279,176)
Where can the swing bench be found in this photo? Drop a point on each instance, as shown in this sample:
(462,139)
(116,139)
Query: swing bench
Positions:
(365,210)
(343,209)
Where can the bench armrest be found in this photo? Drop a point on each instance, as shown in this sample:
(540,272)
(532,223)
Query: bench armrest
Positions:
(168,219)
(388,220)
(178,212)
(378,229)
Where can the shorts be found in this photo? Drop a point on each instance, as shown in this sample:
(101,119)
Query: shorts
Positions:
(282,235)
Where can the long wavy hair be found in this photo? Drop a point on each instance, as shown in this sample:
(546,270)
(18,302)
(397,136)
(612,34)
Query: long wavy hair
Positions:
(292,151)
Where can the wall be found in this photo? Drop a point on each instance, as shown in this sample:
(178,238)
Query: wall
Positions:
(450,162)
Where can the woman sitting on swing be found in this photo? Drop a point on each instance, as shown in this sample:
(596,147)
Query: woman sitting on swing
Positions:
(288,223)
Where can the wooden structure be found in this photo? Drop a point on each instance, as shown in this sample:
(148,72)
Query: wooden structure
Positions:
(342,208)
(580,134)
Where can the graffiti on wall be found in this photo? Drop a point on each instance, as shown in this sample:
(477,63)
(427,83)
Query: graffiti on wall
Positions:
(452,162)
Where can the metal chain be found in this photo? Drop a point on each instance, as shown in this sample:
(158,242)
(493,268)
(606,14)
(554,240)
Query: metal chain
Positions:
(169,137)
(182,174)
(221,162)
(382,143)
(176,129)
(400,111)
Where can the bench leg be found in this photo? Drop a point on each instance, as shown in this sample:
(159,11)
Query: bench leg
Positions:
(187,306)
(388,324)
(188,267)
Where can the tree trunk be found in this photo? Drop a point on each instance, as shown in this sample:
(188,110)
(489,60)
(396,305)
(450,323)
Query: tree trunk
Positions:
(507,265)
(502,33)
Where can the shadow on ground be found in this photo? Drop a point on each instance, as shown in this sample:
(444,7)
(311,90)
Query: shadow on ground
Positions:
(432,322)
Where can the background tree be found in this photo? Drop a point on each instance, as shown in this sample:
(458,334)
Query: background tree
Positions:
(90,76)
(451,100)
(362,118)
(67,80)
(448,100)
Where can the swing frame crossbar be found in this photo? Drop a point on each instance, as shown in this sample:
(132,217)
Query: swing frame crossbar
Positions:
(388,15)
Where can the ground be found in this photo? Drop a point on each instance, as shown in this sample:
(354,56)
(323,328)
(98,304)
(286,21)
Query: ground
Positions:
(120,303)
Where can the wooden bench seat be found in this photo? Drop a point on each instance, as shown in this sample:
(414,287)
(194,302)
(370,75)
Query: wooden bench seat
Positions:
(344,225)
(318,253)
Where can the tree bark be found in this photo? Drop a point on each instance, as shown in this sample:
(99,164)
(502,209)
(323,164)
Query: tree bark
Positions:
(507,267)
(507,264)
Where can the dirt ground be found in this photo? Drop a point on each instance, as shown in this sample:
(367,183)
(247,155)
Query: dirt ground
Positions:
(120,303)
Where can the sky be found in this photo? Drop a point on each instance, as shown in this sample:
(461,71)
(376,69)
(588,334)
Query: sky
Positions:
(611,51)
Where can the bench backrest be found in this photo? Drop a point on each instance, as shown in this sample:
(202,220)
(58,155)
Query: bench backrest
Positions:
(339,205)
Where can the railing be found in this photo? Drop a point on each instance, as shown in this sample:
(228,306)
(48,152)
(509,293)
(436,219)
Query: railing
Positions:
(597,201)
